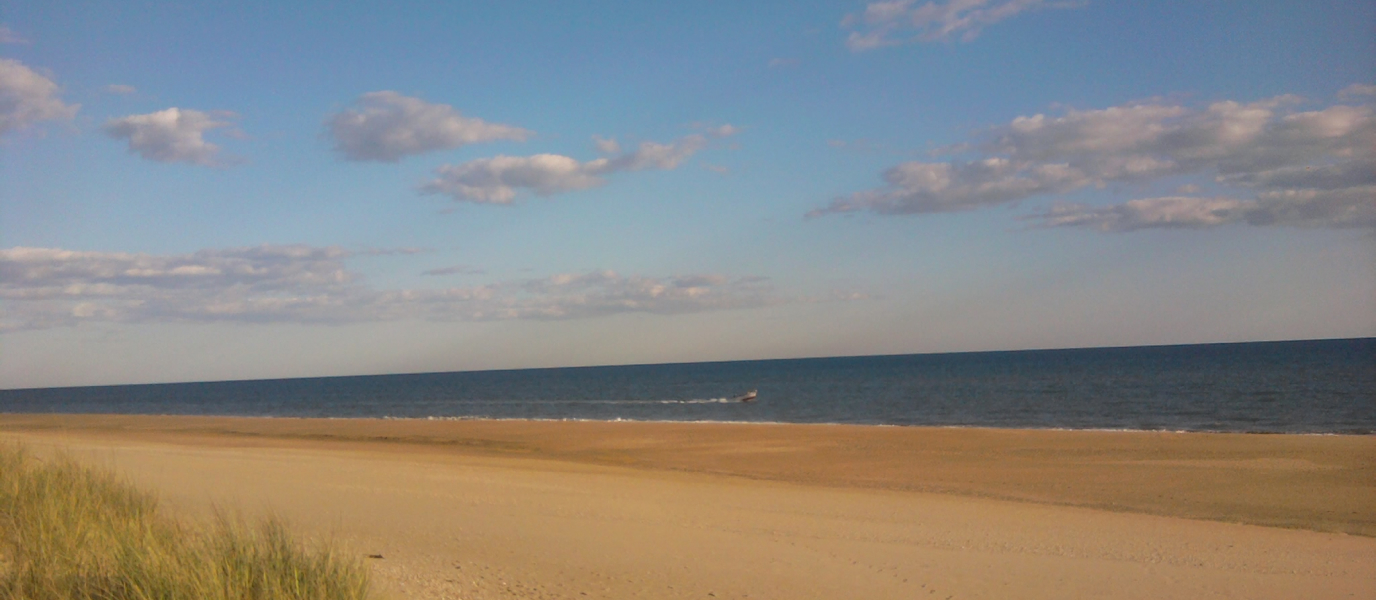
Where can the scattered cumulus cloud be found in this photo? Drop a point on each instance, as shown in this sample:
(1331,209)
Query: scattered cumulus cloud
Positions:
(905,21)
(498,180)
(1313,168)
(386,126)
(27,97)
(47,287)
(10,36)
(120,89)
(171,135)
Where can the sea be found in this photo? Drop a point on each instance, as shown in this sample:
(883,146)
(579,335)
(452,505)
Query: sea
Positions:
(1316,387)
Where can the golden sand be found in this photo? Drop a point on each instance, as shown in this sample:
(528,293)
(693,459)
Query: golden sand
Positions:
(518,509)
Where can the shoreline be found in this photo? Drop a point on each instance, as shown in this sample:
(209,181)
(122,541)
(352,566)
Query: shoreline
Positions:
(441,418)
(508,510)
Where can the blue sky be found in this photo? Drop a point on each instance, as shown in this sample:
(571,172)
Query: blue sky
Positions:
(199,191)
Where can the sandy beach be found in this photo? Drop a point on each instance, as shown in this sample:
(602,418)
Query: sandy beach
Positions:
(515,509)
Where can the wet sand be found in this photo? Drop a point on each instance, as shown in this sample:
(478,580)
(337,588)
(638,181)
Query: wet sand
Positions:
(515,509)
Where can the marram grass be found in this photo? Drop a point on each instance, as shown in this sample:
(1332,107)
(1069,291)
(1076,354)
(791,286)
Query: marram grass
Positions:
(71,532)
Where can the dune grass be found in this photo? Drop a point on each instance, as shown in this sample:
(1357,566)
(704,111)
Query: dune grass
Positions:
(72,532)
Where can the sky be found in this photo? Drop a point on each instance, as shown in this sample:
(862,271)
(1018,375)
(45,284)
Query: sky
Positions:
(205,191)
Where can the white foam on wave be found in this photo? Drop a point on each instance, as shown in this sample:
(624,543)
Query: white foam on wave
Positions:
(615,402)
(885,425)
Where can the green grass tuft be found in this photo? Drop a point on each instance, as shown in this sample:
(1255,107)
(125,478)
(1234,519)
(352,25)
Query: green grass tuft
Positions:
(70,532)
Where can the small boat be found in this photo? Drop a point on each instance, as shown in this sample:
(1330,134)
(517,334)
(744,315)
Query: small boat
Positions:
(748,396)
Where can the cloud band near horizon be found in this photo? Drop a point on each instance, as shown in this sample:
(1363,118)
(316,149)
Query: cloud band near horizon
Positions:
(49,287)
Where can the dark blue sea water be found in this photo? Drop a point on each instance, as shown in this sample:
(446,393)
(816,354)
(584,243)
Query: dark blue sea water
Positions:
(1324,386)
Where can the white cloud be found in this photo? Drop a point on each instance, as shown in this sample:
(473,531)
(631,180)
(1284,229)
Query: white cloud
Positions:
(454,270)
(44,288)
(387,126)
(606,145)
(120,89)
(1357,90)
(918,187)
(10,36)
(721,131)
(1341,208)
(606,292)
(171,135)
(1173,212)
(1346,174)
(654,155)
(904,21)
(498,180)
(1317,159)
(27,97)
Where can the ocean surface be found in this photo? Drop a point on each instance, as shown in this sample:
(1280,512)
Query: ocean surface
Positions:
(1324,386)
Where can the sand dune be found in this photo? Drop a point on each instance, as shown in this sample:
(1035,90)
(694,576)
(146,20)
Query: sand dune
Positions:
(477,509)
